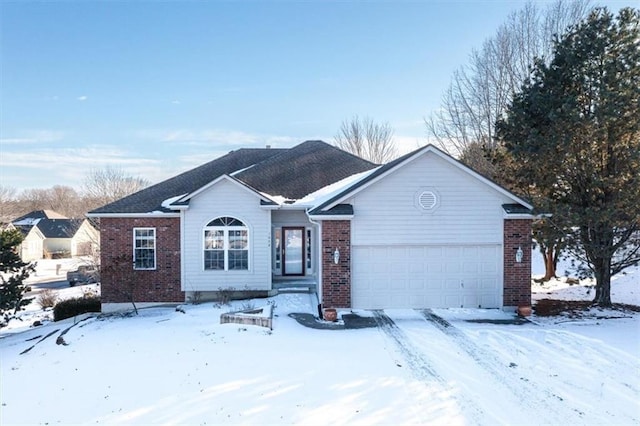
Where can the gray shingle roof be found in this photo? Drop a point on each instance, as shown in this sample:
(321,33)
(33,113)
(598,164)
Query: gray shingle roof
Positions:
(59,228)
(516,209)
(150,199)
(292,173)
(40,214)
(303,169)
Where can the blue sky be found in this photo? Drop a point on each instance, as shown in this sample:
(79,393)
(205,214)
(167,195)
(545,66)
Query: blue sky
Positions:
(158,87)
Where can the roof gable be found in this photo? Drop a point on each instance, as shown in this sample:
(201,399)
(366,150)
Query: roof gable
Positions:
(59,228)
(400,162)
(184,200)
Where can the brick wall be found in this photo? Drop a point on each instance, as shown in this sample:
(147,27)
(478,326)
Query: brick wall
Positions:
(336,279)
(517,276)
(159,285)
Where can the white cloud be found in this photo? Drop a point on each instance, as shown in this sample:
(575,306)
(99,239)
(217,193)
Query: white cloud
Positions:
(82,98)
(68,166)
(216,138)
(34,136)
(176,102)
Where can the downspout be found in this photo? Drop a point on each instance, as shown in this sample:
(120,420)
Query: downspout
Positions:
(183,282)
(319,257)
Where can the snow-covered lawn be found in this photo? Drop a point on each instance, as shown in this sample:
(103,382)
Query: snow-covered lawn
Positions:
(165,366)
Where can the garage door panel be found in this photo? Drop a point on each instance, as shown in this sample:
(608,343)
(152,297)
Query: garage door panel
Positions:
(426,276)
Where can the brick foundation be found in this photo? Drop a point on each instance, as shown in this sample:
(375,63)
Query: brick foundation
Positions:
(517,276)
(336,278)
(159,285)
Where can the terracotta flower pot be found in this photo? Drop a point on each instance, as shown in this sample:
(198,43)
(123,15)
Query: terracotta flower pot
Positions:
(524,311)
(330,314)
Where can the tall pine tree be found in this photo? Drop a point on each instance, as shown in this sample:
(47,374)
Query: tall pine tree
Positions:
(13,273)
(574,134)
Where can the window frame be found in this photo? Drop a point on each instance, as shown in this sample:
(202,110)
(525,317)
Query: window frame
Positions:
(227,236)
(153,249)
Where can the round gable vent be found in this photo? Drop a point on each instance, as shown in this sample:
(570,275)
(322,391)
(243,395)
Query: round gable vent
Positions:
(427,200)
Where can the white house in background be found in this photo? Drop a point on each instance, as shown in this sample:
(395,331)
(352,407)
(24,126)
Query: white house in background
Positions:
(421,231)
(49,234)
(32,245)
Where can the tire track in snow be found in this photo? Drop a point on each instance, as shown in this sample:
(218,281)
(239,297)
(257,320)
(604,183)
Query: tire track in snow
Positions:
(509,377)
(421,367)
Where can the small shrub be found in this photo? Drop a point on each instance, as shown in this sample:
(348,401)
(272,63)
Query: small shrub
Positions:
(224,295)
(248,306)
(195,298)
(76,306)
(47,299)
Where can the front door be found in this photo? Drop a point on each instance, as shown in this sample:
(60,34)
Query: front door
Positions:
(293,251)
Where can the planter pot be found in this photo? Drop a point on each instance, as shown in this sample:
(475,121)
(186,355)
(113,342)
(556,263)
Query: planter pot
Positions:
(330,314)
(524,311)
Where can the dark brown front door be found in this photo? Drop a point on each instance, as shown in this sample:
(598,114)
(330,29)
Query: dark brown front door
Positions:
(293,251)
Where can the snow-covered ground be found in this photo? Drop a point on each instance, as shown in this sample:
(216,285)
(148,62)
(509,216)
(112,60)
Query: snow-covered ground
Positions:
(165,366)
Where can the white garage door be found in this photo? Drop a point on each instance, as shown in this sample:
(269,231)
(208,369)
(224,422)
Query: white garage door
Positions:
(426,276)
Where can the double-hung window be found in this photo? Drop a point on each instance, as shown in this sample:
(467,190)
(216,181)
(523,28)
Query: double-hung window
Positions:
(144,248)
(226,245)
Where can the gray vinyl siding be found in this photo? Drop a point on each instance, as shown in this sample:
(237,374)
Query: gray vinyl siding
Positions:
(290,218)
(226,199)
(387,213)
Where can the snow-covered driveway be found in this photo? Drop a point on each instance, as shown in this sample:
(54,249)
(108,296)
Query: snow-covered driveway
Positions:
(168,367)
(499,373)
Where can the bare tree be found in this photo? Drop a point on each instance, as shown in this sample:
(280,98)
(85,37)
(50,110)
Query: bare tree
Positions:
(480,91)
(103,186)
(9,208)
(117,281)
(59,198)
(367,139)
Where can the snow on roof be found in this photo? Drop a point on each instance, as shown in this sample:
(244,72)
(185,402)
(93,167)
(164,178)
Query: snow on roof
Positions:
(241,170)
(323,194)
(167,203)
(28,221)
(279,199)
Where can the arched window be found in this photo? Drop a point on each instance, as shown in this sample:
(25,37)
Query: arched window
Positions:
(226,245)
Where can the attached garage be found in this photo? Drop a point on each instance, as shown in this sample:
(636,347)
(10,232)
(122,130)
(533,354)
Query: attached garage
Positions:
(425,231)
(428,276)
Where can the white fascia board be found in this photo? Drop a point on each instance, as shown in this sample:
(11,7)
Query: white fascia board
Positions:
(270,207)
(128,215)
(519,216)
(322,217)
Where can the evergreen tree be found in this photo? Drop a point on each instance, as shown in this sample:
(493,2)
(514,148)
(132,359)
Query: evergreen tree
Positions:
(574,136)
(13,273)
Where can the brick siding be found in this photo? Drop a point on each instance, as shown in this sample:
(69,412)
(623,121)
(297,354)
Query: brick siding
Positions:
(517,276)
(159,285)
(336,279)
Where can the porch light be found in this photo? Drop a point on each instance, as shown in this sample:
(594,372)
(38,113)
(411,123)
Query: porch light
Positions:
(336,256)
(519,255)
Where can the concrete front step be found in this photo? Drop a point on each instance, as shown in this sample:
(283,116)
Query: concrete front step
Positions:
(295,287)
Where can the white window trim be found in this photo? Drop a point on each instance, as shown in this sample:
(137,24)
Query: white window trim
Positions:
(155,248)
(225,235)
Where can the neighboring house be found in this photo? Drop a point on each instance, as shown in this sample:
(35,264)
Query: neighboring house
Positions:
(421,231)
(68,237)
(32,246)
(49,234)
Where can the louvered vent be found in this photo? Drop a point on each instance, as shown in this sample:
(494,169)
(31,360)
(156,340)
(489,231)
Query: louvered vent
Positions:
(427,200)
